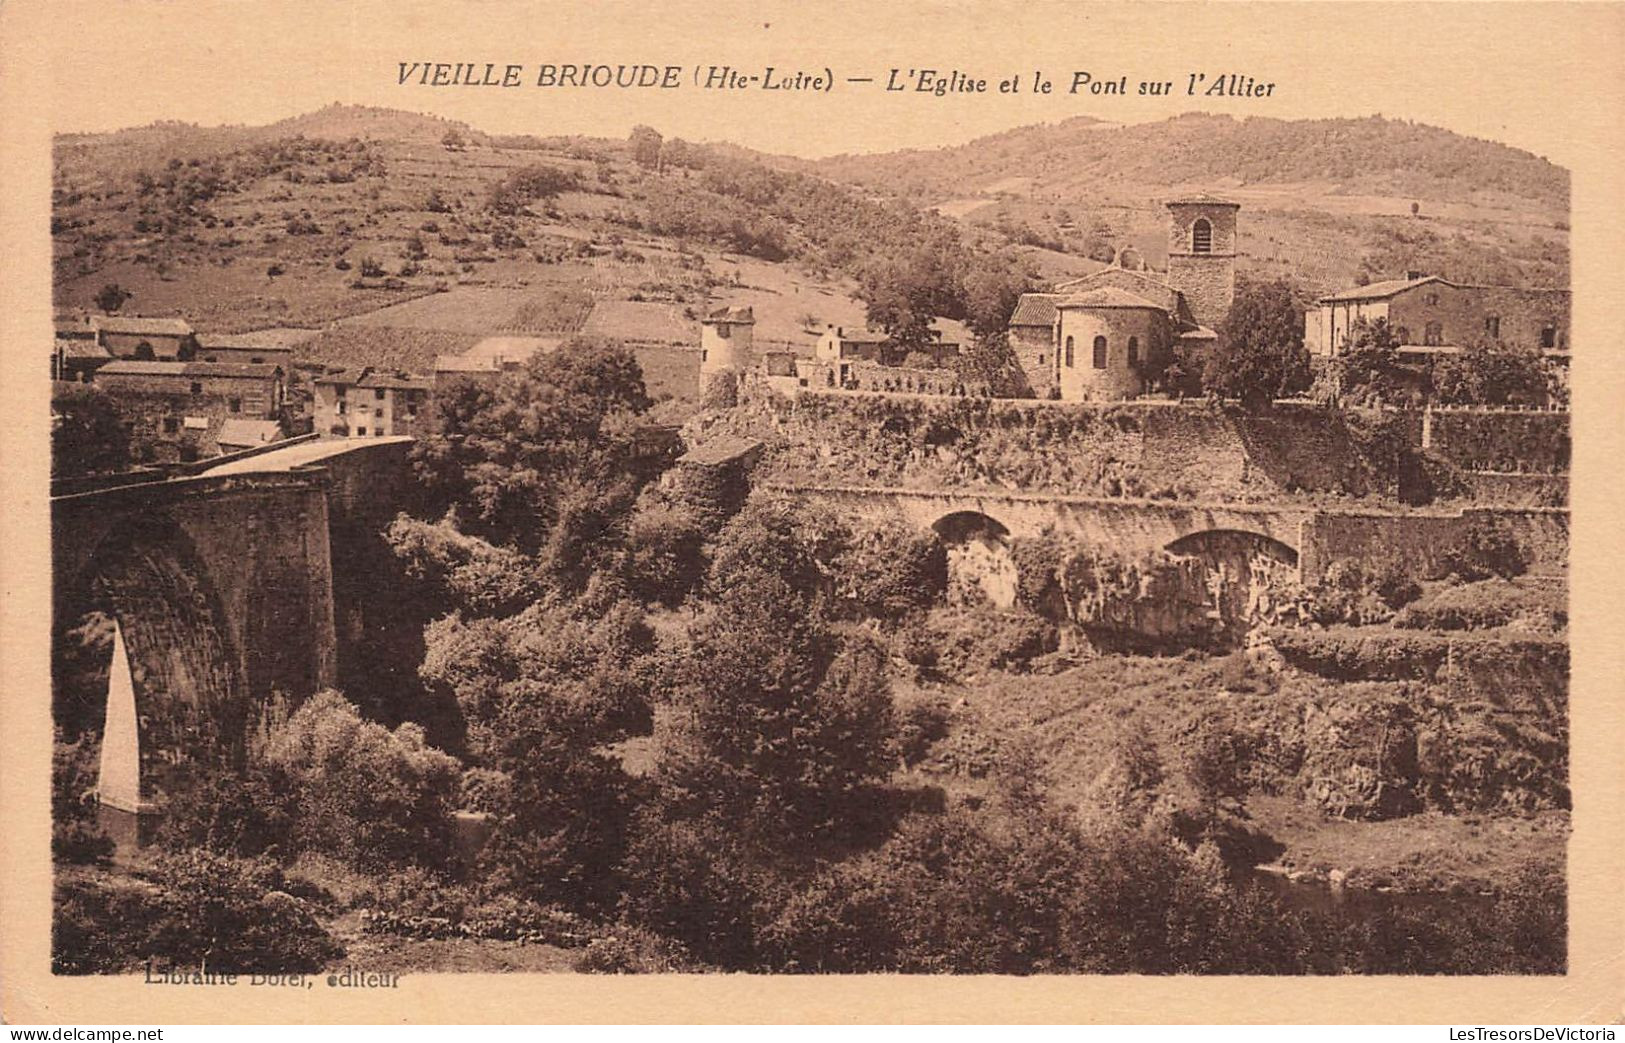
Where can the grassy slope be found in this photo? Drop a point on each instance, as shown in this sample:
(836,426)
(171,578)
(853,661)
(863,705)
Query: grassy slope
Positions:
(1311,189)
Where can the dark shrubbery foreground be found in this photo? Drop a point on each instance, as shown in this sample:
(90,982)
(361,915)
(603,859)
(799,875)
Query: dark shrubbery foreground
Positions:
(194,911)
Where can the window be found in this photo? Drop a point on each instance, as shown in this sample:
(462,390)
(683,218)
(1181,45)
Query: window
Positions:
(256,358)
(341,407)
(172,424)
(360,430)
(724,332)
(1069,353)
(1040,360)
(378,394)
(1134,351)
(1433,336)
(1492,327)
(1100,353)
(235,405)
(197,388)
(1548,335)
(1403,334)
(1431,299)
(1202,236)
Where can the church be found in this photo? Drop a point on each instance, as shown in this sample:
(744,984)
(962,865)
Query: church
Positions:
(1097,338)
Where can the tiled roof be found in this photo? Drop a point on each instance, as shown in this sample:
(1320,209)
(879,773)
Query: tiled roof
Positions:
(864,336)
(730,314)
(135,367)
(1379,290)
(1035,309)
(367,377)
(464,364)
(512,349)
(136,325)
(1106,297)
(240,342)
(1202,199)
(243,432)
(74,348)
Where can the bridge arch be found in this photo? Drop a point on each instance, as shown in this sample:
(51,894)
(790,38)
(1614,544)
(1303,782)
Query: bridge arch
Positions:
(979,561)
(144,589)
(1210,541)
(1246,570)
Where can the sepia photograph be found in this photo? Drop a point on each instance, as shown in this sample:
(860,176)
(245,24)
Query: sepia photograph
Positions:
(1123,531)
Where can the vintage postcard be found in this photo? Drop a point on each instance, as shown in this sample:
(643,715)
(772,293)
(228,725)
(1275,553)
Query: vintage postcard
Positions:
(935,511)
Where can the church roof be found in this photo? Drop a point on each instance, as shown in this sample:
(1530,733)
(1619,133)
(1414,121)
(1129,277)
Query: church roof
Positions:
(1107,297)
(1035,309)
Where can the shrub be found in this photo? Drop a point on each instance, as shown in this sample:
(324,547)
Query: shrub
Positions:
(233,915)
(920,725)
(1471,606)
(665,552)
(371,796)
(75,836)
(891,572)
(632,950)
(1488,548)
(985,638)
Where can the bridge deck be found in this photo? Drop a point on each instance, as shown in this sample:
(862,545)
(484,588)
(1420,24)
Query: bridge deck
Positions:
(303,455)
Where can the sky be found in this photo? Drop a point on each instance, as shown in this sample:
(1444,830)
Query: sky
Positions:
(1517,73)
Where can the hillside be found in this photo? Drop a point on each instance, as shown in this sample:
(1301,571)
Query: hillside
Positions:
(1325,200)
(339,219)
(399,236)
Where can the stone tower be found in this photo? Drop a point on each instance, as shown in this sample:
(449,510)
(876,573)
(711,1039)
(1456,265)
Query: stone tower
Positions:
(726,351)
(1202,255)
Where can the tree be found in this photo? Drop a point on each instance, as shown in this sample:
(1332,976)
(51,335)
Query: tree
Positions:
(781,726)
(1491,374)
(514,193)
(452,140)
(111,297)
(87,434)
(646,146)
(1416,208)
(1259,356)
(1369,369)
(553,455)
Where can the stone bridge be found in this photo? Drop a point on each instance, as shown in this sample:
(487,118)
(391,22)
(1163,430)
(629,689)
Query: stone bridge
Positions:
(223,588)
(1131,526)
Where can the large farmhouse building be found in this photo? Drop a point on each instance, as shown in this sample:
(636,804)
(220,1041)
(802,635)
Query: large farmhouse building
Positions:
(1100,336)
(1428,313)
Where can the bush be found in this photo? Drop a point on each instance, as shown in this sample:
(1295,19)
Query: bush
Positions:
(891,572)
(1474,606)
(75,835)
(632,950)
(373,797)
(1488,548)
(665,552)
(985,638)
(232,915)
(198,912)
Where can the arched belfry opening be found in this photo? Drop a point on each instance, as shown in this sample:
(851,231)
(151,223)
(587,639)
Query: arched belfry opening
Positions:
(1202,236)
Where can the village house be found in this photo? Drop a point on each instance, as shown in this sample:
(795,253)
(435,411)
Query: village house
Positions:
(1428,314)
(145,339)
(1101,336)
(224,348)
(371,403)
(176,411)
